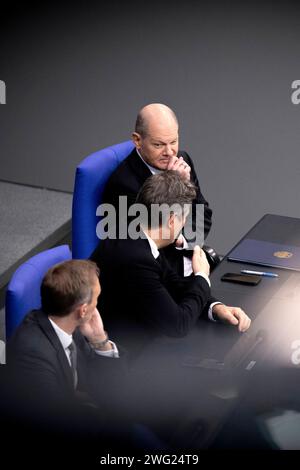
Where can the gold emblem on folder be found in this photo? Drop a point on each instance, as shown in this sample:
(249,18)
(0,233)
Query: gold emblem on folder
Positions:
(283,254)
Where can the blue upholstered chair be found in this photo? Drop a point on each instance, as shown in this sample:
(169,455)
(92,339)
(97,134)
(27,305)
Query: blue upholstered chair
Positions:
(23,291)
(91,176)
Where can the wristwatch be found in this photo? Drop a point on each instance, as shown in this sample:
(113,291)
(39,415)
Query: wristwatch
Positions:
(100,344)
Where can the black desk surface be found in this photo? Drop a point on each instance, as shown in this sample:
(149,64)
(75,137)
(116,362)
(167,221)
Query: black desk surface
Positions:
(273,306)
(259,367)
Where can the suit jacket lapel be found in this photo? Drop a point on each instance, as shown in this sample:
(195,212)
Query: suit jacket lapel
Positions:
(48,330)
(138,167)
(141,170)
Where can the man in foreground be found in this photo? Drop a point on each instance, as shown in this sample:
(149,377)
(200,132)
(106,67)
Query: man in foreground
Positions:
(142,297)
(64,374)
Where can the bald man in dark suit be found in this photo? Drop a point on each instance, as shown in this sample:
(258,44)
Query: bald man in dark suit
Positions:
(156,140)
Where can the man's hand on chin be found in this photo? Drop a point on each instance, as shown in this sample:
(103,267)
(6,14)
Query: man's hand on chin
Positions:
(233,316)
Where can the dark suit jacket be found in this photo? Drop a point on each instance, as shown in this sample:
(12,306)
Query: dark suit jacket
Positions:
(39,404)
(131,174)
(143,298)
(39,364)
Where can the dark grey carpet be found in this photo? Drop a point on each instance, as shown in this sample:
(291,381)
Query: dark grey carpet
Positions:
(32,219)
(27,216)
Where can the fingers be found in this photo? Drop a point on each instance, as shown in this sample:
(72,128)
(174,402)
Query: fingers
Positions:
(178,164)
(243,319)
(196,258)
(234,316)
(96,314)
(197,250)
(172,163)
(232,319)
(182,165)
(199,261)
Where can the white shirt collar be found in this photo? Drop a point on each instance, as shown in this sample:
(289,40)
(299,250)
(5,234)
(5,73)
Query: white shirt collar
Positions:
(63,337)
(153,246)
(153,170)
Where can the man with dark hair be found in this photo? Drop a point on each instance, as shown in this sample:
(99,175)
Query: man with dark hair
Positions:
(156,139)
(66,383)
(61,353)
(142,296)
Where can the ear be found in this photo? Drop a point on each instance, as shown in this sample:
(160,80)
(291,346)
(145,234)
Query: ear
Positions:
(82,311)
(136,139)
(171,220)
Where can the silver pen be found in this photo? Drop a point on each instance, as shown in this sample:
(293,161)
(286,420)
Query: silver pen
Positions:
(259,273)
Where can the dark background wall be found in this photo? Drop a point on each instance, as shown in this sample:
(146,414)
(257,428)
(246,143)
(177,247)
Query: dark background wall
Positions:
(77,74)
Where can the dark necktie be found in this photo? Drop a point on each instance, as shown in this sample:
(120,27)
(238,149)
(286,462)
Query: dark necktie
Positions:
(73,359)
(186,253)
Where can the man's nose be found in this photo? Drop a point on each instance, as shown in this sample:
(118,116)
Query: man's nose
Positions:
(168,150)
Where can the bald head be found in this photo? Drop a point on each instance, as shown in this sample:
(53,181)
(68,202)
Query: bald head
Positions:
(156,135)
(153,116)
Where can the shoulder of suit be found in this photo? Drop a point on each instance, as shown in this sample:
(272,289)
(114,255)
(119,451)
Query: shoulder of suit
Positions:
(120,174)
(127,250)
(32,318)
(124,164)
(184,154)
(29,335)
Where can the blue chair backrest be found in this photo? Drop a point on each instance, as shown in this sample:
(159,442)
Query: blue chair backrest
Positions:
(23,291)
(91,176)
